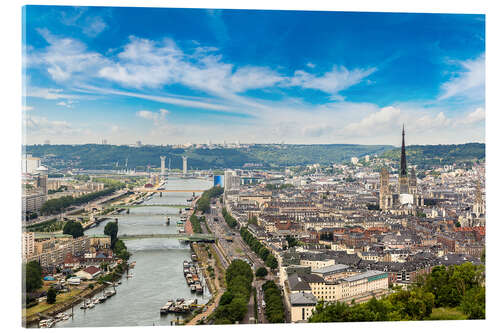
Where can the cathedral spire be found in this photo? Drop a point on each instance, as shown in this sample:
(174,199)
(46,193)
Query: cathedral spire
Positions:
(402,170)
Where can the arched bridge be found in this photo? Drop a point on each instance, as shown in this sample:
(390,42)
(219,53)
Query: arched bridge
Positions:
(181,236)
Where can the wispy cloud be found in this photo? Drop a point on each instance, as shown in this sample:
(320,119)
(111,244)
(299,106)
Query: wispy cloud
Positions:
(332,82)
(49,93)
(468,82)
(94,26)
(65,57)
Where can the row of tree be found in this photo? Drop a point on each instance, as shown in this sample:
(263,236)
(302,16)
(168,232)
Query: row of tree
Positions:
(259,249)
(196,223)
(203,203)
(233,304)
(55,206)
(230,220)
(459,287)
(275,310)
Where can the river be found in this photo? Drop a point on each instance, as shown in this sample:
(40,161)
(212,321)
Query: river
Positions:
(158,274)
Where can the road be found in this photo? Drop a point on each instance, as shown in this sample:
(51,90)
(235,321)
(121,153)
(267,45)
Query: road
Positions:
(237,249)
(60,216)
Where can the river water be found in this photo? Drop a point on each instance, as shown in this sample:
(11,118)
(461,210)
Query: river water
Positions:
(158,274)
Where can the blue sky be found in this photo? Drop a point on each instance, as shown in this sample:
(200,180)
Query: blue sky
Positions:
(167,76)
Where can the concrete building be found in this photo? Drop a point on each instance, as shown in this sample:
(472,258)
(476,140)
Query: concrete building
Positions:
(231,180)
(28,243)
(33,202)
(162,165)
(52,252)
(184,165)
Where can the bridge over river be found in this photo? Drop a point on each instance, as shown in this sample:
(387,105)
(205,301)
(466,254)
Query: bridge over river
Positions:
(180,236)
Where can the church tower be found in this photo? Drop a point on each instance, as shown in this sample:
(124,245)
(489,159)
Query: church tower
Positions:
(385,196)
(413,182)
(403,173)
(478,206)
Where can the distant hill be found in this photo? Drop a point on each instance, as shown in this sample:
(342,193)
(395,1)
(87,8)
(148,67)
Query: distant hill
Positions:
(93,156)
(432,155)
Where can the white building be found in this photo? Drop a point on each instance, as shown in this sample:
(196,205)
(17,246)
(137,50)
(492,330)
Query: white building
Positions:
(30,164)
(231,180)
(302,306)
(354,160)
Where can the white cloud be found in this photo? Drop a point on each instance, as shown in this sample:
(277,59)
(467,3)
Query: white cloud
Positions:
(375,122)
(468,83)
(27,108)
(49,93)
(146,63)
(36,125)
(68,104)
(478,115)
(428,122)
(338,79)
(65,57)
(94,26)
(177,100)
(158,118)
(146,114)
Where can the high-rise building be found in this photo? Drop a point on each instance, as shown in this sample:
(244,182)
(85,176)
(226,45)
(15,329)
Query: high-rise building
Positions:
(231,180)
(162,165)
(184,165)
(403,173)
(42,179)
(28,242)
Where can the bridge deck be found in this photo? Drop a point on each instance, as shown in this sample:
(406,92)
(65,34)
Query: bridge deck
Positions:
(167,191)
(188,237)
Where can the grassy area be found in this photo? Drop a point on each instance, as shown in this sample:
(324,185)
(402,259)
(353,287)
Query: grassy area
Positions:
(447,314)
(43,306)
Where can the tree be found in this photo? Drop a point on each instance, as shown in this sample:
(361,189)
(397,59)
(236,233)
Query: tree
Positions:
(111,229)
(261,272)
(474,303)
(33,276)
(51,296)
(271,262)
(73,228)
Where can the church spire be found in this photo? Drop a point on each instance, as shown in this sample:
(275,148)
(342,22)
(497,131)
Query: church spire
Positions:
(402,170)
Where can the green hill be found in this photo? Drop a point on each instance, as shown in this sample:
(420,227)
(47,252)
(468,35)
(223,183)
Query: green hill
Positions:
(93,156)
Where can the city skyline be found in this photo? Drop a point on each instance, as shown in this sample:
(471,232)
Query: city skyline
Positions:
(172,76)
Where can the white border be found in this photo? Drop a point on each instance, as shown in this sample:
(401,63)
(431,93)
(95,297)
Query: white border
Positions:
(11,143)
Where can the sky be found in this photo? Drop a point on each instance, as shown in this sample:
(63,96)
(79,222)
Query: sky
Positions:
(175,76)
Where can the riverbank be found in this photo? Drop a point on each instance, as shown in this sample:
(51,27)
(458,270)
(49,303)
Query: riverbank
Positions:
(59,307)
(213,277)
